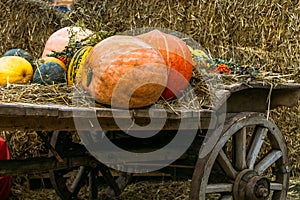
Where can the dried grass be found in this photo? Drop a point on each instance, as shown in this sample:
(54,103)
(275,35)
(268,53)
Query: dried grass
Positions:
(27,24)
(141,190)
(288,121)
(37,94)
(260,33)
(24,144)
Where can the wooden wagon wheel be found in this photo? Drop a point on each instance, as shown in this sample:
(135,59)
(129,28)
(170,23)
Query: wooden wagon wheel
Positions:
(249,161)
(67,186)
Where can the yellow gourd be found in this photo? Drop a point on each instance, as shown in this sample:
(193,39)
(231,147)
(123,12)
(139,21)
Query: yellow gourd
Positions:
(15,69)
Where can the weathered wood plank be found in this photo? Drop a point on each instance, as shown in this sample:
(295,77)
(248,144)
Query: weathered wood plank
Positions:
(221,187)
(267,161)
(256,145)
(57,117)
(226,165)
(243,95)
(276,186)
(32,165)
(21,109)
(240,149)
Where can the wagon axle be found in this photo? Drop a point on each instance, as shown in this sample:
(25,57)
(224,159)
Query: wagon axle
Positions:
(250,186)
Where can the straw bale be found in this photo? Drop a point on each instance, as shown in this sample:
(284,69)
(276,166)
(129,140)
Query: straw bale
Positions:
(250,32)
(288,121)
(27,24)
(260,33)
(120,16)
(263,33)
(24,144)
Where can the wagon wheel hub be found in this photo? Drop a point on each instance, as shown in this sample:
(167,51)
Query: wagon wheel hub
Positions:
(250,186)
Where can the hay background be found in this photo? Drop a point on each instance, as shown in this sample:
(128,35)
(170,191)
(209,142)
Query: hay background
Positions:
(27,24)
(262,33)
(140,190)
(255,32)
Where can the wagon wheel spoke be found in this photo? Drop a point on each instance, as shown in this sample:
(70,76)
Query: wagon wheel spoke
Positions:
(226,165)
(93,184)
(227,197)
(276,186)
(68,182)
(113,189)
(79,180)
(267,161)
(256,145)
(239,153)
(219,188)
(117,186)
(252,155)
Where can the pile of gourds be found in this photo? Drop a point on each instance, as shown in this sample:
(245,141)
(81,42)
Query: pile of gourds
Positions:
(119,70)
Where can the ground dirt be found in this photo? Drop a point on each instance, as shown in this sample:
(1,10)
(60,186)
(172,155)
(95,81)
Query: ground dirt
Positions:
(140,190)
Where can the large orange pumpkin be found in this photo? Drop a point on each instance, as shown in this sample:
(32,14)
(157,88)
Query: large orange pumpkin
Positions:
(60,38)
(124,71)
(178,58)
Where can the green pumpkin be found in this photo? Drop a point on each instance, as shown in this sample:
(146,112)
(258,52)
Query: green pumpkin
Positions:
(20,52)
(49,73)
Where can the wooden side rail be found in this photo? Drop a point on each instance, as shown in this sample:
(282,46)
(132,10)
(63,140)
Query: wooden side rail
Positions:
(58,117)
(33,165)
(259,97)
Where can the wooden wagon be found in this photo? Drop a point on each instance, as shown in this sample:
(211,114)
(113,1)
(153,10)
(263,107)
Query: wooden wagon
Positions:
(237,154)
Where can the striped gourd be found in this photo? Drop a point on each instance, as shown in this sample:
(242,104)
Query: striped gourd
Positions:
(74,69)
(201,59)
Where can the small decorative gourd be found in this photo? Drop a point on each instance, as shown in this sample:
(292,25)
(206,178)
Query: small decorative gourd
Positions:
(75,66)
(202,59)
(20,52)
(51,59)
(49,73)
(15,69)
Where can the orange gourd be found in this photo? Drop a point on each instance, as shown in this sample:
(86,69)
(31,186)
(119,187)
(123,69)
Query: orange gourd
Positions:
(124,71)
(60,38)
(178,58)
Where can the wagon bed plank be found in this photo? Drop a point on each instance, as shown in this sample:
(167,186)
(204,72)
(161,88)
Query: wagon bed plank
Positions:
(259,97)
(59,117)
(33,165)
